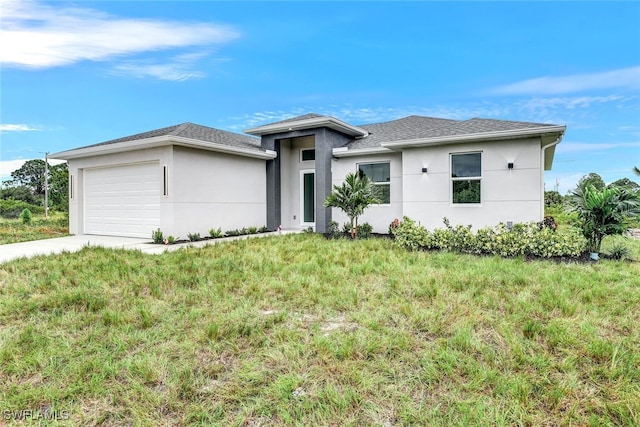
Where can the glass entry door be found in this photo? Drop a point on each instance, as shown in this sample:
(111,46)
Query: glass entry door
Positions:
(307,197)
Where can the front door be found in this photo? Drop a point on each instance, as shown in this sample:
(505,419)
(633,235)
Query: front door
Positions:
(307,198)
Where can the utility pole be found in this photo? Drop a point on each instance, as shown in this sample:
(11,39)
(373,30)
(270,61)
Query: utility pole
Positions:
(46,185)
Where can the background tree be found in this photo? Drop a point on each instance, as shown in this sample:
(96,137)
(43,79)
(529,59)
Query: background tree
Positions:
(31,175)
(27,184)
(20,192)
(591,179)
(553,198)
(626,183)
(355,194)
(59,186)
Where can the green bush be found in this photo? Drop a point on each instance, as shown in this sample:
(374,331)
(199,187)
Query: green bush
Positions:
(518,240)
(193,237)
(13,208)
(365,230)
(26,216)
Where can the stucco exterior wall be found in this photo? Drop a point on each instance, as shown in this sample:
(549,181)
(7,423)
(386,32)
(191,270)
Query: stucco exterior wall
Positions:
(162,155)
(210,190)
(379,216)
(506,195)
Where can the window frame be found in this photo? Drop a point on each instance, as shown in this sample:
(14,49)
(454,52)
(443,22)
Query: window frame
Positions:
(453,179)
(379,183)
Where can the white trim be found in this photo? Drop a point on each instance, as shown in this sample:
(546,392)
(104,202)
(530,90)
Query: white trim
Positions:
(459,139)
(161,141)
(452,179)
(323,121)
(345,152)
(304,172)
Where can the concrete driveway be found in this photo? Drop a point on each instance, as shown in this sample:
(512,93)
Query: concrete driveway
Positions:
(72,244)
(75,243)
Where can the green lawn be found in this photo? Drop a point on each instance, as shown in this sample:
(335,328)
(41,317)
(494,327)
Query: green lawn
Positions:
(14,231)
(299,330)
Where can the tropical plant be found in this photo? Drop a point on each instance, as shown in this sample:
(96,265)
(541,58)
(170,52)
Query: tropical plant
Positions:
(602,212)
(193,237)
(636,170)
(157,236)
(355,194)
(216,233)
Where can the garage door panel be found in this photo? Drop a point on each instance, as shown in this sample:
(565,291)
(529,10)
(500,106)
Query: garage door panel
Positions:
(123,200)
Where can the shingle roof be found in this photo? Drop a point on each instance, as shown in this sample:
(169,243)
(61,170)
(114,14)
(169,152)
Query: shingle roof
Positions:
(302,117)
(193,131)
(419,127)
(410,127)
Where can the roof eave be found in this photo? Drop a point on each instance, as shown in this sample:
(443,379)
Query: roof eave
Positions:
(341,152)
(314,122)
(160,141)
(476,137)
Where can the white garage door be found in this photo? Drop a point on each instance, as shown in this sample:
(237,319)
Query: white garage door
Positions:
(123,200)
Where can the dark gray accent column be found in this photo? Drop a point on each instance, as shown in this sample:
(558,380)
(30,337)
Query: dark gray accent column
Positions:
(274,193)
(326,140)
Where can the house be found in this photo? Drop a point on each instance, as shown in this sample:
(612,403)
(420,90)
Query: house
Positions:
(190,178)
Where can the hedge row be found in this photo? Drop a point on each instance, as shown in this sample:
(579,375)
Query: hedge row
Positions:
(10,208)
(522,239)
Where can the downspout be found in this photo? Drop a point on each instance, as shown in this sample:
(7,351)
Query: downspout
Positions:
(544,149)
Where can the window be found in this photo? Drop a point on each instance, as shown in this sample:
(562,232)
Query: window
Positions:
(307,154)
(380,174)
(466,173)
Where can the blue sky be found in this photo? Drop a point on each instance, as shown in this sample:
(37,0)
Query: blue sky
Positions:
(78,73)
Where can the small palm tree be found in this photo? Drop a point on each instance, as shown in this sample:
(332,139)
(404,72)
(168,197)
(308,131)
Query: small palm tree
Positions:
(636,170)
(355,194)
(603,212)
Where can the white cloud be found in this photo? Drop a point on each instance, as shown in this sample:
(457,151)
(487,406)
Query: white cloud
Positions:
(178,68)
(36,35)
(8,127)
(624,78)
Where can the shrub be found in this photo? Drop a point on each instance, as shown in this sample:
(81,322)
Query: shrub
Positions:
(308,230)
(252,230)
(170,240)
(333,230)
(263,229)
(216,233)
(365,230)
(411,235)
(519,240)
(157,236)
(234,232)
(13,208)
(193,237)
(26,216)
